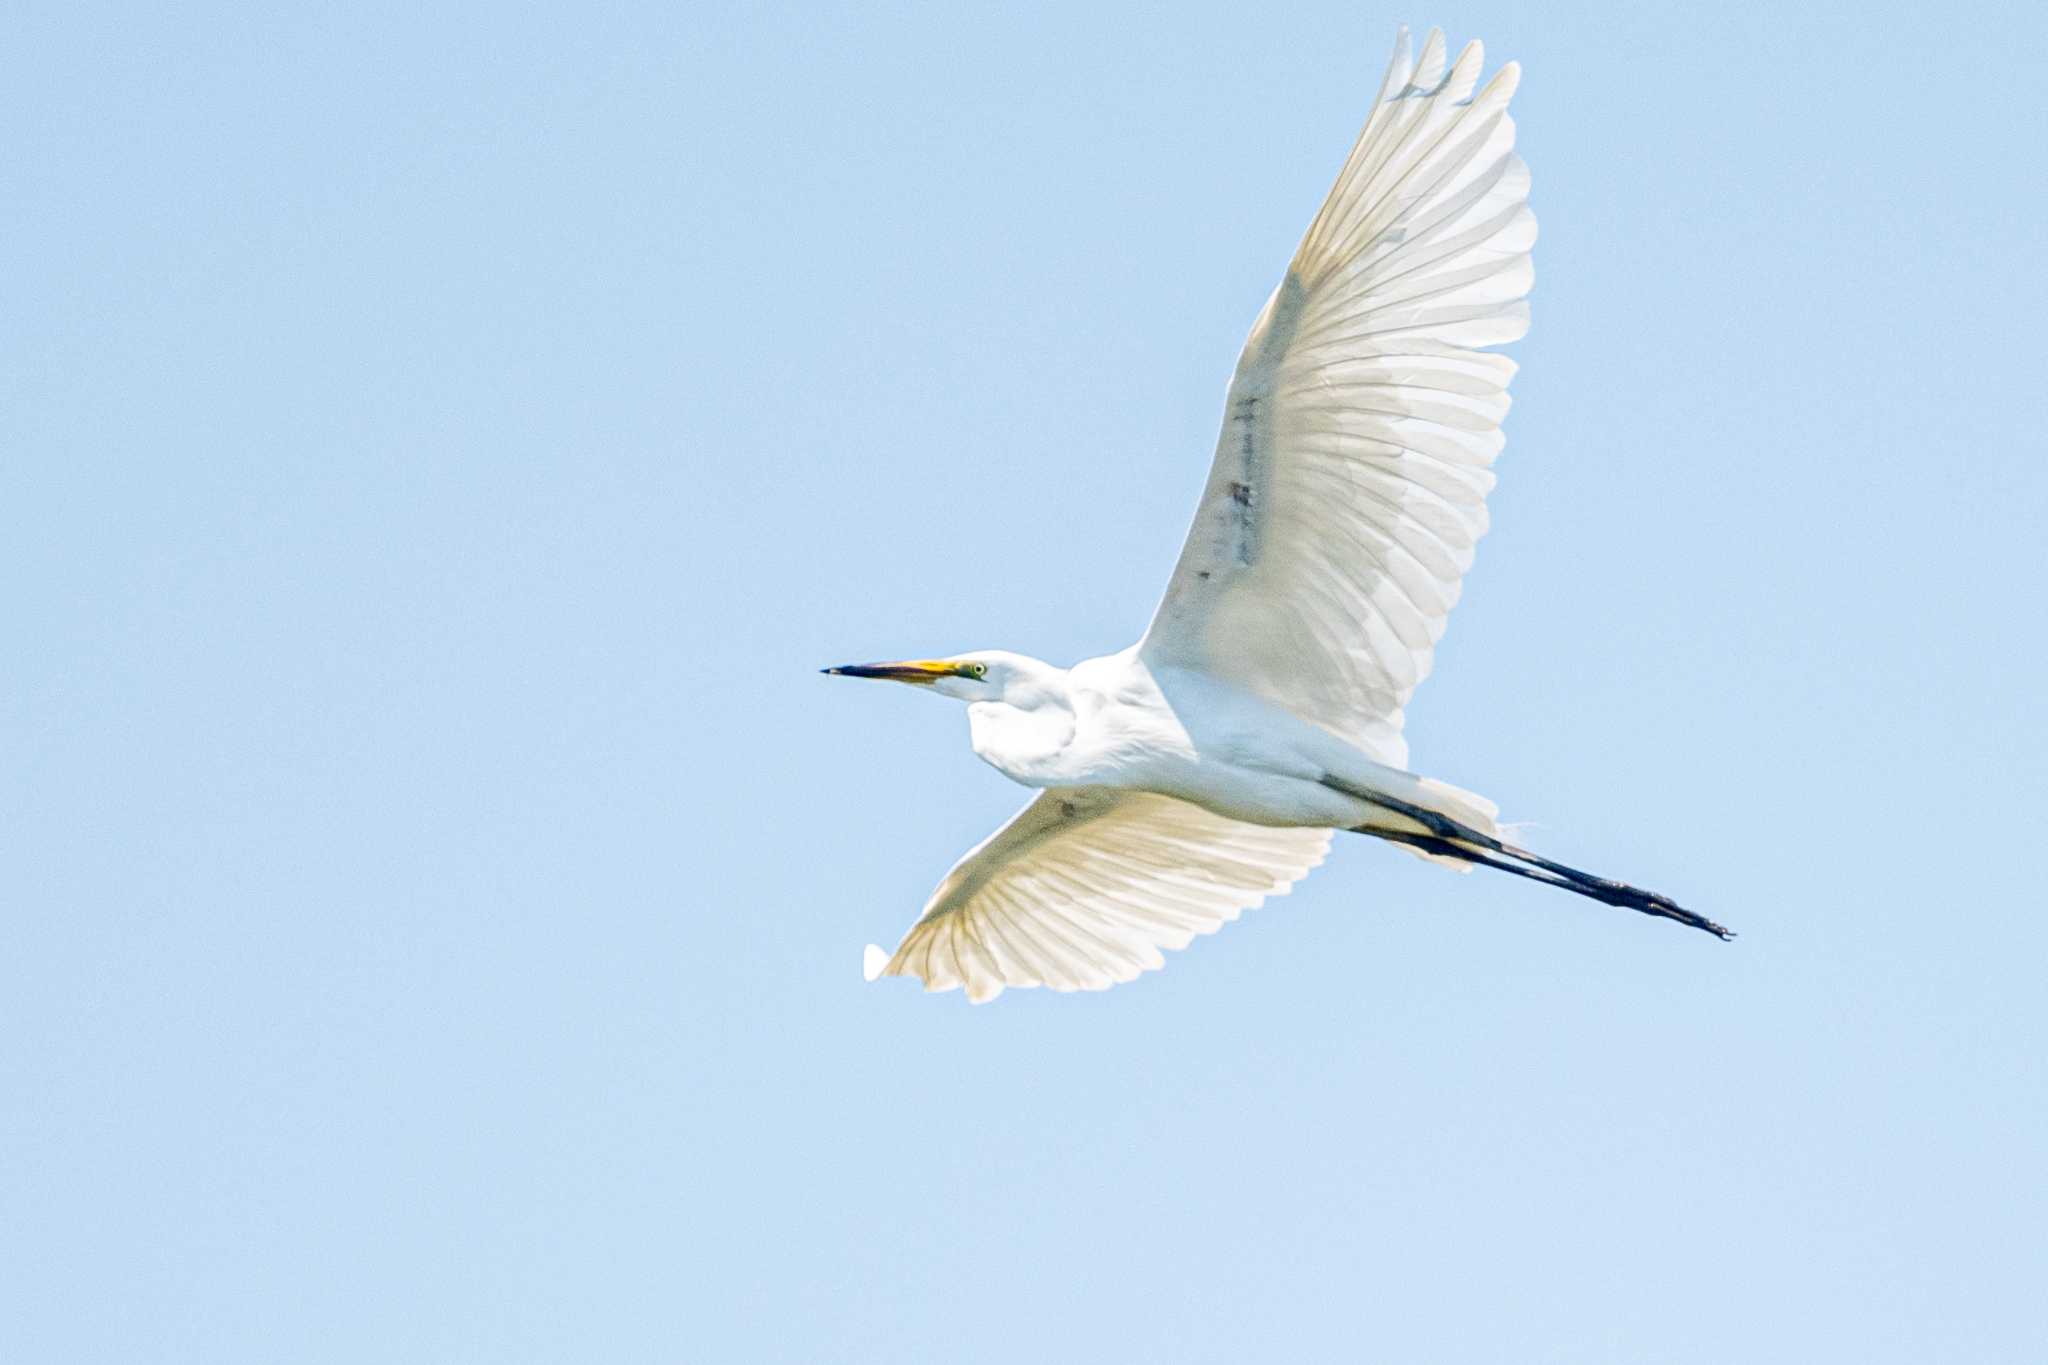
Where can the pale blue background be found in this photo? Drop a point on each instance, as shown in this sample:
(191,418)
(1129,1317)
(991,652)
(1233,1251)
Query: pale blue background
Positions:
(439,444)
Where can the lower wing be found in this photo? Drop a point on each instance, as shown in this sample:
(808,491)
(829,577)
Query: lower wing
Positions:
(1084,886)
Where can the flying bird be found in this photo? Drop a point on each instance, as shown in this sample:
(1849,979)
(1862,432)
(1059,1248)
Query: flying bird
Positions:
(1208,766)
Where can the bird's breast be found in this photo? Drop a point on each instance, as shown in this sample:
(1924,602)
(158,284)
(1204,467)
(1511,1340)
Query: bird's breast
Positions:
(1101,746)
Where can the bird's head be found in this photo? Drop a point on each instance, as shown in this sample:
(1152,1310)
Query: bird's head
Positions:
(985,675)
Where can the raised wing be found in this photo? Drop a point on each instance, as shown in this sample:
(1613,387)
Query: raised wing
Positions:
(1084,886)
(1351,476)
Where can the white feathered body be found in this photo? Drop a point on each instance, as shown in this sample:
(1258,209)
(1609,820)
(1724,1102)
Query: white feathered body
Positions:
(1115,722)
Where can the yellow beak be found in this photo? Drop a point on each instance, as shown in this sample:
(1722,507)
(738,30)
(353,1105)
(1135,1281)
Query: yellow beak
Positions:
(923,672)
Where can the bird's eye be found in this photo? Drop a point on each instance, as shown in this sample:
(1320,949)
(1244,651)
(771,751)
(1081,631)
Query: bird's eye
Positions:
(978,670)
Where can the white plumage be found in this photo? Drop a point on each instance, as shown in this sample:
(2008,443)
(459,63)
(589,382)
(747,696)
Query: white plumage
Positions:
(1361,380)
(1205,768)
(1084,886)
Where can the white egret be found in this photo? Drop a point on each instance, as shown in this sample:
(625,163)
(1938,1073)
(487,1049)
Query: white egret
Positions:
(1206,767)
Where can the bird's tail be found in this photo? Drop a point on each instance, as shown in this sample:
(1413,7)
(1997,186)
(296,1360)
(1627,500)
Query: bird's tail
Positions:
(1469,809)
(1446,825)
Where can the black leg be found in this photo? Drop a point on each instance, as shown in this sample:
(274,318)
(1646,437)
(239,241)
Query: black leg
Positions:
(1452,839)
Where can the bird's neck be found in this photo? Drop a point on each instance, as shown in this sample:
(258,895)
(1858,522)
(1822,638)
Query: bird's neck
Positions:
(1025,733)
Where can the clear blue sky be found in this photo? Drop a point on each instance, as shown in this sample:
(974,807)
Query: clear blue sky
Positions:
(438,446)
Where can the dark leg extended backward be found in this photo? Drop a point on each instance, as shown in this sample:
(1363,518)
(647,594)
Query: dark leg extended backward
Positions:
(1451,839)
